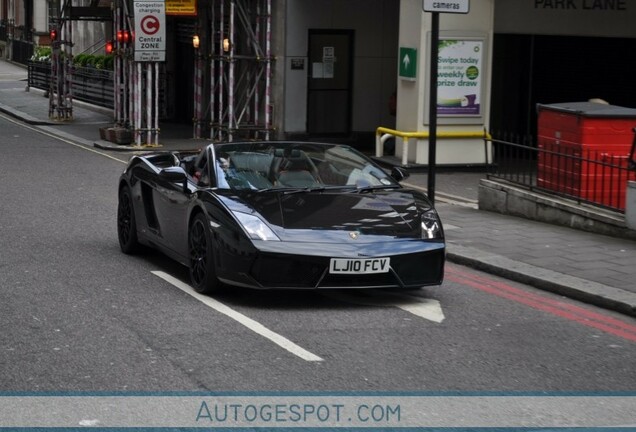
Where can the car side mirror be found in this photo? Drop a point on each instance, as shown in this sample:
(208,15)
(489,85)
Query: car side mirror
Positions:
(399,174)
(175,174)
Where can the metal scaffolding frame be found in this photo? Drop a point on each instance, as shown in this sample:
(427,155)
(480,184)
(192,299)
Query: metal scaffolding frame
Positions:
(235,54)
(60,88)
(60,85)
(136,84)
(240,67)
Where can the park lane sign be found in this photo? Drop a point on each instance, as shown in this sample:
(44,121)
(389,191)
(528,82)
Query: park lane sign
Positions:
(446,6)
(150,31)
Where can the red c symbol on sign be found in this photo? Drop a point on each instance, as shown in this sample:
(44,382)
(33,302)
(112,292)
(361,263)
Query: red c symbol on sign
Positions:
(150,24)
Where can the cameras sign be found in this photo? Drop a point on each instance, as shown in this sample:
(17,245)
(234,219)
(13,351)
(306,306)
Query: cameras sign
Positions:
(150,31)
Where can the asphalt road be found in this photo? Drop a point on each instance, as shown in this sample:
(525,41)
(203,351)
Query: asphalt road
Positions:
(78,315)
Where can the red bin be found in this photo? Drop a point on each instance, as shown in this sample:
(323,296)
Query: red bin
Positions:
(570,134)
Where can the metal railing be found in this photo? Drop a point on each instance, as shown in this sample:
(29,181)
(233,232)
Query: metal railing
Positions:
(21,51)
(94,86)
(89,85)
(4,30)
(382,134)
(584,174)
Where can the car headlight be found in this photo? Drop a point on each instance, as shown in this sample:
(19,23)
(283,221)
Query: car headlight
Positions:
(431,225)
(255,227)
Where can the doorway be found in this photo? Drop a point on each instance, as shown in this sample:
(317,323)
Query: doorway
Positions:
(330,82)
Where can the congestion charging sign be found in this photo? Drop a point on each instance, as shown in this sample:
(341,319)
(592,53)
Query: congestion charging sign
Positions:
(150,31)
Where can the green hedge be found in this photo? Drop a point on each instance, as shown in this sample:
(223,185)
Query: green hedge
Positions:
(98,61)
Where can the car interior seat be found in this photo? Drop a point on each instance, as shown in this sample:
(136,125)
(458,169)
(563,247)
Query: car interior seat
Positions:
(293,168)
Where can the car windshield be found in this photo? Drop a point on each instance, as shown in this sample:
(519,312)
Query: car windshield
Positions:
(266,166)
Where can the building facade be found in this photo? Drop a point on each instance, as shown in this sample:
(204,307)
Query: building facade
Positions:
(327,68)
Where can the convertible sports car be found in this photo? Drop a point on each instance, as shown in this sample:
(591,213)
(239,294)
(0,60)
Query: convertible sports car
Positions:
(270,214)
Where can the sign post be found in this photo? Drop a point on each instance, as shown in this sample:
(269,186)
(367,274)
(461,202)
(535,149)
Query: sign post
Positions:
(432,108)
(435,7)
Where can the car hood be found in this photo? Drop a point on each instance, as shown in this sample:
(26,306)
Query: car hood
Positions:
(394,213)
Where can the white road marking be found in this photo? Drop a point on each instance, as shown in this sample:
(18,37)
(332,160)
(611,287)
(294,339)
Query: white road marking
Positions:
(255,326)
(428,309)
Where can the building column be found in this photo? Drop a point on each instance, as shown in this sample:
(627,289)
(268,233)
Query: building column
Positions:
(464,82)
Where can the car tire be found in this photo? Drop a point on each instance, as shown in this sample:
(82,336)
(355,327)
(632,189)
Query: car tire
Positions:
(126,223)
(201,256)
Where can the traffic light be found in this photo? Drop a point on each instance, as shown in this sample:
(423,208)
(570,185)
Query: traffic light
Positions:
(53,35)
(109,47)
(123,37)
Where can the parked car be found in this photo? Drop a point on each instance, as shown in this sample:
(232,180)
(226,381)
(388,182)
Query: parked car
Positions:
(292,215)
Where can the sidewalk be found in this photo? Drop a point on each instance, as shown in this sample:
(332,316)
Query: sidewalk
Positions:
(589,267)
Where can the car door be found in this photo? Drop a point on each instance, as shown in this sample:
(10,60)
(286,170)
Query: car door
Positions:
(172,202)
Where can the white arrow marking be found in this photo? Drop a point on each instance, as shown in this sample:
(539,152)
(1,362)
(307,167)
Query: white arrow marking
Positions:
(428,309)
(255,326)
(406,61)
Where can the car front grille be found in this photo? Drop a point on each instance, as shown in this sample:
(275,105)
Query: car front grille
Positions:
(288,271)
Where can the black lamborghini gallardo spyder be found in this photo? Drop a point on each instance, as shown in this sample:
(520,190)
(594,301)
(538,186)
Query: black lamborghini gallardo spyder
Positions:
(289,215)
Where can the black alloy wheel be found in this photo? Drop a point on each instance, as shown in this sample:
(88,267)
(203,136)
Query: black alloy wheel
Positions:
(202,270)
(126,228)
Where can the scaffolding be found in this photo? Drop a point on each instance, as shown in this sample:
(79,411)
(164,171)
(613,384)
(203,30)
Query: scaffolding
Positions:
(136,83)
(240,71)
(62,13)
(232,70)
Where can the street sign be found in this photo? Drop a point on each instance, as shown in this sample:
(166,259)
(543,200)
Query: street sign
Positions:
(181,7)
(408,63)
(150,31)
(446,6)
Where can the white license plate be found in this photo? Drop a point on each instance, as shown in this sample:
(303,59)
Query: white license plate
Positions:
(359,265)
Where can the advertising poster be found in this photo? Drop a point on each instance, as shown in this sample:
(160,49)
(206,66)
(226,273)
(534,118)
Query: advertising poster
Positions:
(459,78)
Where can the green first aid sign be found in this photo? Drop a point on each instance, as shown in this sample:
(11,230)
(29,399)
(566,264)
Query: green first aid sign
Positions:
(408,63)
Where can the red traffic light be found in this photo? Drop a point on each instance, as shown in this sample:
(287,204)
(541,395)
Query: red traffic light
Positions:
(123,37)
(53,34)
(109,47)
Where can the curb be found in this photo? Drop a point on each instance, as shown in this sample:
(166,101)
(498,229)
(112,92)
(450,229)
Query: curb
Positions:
(25,117)
(569,286)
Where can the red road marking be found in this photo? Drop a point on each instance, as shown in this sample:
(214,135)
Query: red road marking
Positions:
(564,310)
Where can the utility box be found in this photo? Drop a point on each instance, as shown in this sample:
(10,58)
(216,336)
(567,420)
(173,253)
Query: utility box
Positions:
(580,144)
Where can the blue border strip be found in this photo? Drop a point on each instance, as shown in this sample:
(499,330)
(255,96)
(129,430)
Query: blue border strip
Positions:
(321,429)
(317,394)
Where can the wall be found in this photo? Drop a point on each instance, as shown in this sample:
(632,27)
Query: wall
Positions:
(502,197)
(375,23)
(605,18)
